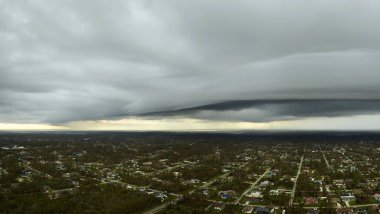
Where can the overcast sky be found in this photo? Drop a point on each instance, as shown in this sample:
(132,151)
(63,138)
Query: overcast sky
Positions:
(189,65)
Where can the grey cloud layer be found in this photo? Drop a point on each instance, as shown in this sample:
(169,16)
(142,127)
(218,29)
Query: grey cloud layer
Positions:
(274,110)
(63,61)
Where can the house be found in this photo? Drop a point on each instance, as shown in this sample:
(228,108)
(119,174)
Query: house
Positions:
(360,211)
(375,209)
(149,191)
(248,209)
(227,194)
(274,192)
(225,170)
(376,197)
(272,173)
(347,197)
(54,195)
(15,147)
(310,201)
(218,206)
(148,163)
(161,196)
(319,182)
(255,194)
(335,201)
(306,169)
(262,210)
(253,200)
(339,183)
(194,181)
(312,211)
(372,183)
(345,211)
(265,183)
(57,194)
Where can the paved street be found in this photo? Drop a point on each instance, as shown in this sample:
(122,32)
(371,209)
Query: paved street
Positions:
(295,184)
(252,186)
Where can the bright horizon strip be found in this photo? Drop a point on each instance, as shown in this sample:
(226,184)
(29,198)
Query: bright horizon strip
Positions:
(34,126)
(360,122)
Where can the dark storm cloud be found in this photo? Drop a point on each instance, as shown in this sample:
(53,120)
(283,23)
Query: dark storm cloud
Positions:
(63,61)
(273,110)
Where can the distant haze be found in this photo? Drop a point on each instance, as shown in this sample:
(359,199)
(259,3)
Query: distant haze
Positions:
(189,65)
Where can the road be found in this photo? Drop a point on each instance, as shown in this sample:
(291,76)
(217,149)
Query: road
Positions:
(37,171)
(209,183)
(123,183)
(364,205)
(162,206)
(60,190)
(252,186)
(295,183)
(327,163)
(344,155)
(157,209)
(170,168)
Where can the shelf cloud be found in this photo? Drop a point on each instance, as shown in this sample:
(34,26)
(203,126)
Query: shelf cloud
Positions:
(275,110)
(247,61)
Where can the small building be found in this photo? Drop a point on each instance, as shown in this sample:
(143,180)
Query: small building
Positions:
(375,209)
(262,210)
(227,194)
(312,211)
(161,196)
(253,200)
(310,201)
(218,206)
(360,211)
(255,194)
(274,192)
(376,197)
(194,181)
(339,183)
(248,209)
(319,182)
(345,211)
(347,197)
(265,184)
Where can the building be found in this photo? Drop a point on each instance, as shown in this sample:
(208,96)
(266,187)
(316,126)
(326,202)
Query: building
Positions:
(227,194)
(347,197)
(376,197)
(312,211)
(310,201)
(262,210)
(255,194)
(345,211)
(218,206)
(248,209)
(274,192)
(360,211)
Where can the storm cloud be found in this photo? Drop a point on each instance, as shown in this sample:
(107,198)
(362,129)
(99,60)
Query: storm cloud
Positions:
(64,61)
(275,110)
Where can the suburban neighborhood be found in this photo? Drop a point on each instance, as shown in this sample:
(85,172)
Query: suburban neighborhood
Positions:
(182,173)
